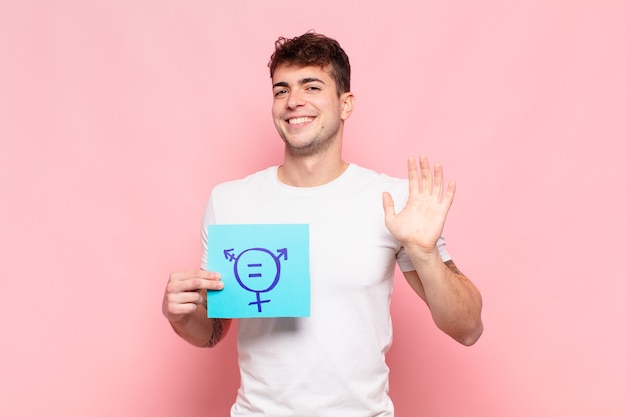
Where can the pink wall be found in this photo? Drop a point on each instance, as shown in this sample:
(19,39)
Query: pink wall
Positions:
(116,119)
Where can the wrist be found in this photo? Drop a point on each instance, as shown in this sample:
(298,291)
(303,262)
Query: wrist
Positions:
(425,253)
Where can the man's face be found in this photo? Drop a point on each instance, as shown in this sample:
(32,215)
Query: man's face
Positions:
(307,111)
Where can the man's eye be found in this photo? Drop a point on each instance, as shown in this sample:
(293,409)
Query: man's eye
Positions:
(278,93)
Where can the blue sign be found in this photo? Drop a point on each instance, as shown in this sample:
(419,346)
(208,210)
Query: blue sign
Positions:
(264,267)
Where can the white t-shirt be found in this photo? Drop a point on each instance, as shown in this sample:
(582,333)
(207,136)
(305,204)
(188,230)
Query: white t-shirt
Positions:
(333,362)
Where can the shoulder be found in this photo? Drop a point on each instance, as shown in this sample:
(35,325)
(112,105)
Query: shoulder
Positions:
(378,181)
(250,182)
(372,175)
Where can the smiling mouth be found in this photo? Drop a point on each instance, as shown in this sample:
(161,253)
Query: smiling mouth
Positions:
(299,120)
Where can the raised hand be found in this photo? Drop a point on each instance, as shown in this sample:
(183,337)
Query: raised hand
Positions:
(420,223)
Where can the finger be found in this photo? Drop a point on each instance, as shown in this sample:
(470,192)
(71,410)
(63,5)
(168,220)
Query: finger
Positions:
(438,181)
(449,196)
(426,176)
(185,303)
(388,205)
(191,297)
(414,186)
(195,273)
(194,284)
(176,310)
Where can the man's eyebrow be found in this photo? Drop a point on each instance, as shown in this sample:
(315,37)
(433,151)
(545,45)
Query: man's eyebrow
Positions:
(311,80)
(301,82)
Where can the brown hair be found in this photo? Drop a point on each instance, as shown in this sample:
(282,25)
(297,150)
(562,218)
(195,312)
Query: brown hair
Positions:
(313,49)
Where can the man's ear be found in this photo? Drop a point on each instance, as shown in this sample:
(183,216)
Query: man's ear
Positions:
(347,103)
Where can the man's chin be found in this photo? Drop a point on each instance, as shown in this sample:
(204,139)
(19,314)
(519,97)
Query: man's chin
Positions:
(306,149)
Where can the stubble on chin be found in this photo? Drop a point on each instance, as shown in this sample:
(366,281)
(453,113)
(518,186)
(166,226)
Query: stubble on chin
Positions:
(310,149)
(315,146)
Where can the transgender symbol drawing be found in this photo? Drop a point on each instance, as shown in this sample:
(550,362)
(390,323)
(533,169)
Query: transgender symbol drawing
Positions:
(257,270)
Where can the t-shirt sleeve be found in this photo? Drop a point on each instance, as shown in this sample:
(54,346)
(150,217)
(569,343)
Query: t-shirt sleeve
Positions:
(405,263)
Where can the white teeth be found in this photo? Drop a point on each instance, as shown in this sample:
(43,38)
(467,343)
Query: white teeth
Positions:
(299,120)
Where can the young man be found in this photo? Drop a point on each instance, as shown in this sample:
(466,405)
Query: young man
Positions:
(333,362)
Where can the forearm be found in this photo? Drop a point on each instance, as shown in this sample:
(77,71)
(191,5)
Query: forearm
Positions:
(454,302)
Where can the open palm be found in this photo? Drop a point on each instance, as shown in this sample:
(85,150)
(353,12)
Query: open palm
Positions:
(420,223)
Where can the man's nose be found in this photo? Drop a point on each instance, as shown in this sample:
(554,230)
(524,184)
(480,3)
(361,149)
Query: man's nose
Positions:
(294,100)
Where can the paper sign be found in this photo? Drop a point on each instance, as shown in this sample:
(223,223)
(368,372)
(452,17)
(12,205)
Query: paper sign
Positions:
(264,267)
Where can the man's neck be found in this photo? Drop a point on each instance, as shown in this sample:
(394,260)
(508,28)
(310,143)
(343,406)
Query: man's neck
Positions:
(310,171)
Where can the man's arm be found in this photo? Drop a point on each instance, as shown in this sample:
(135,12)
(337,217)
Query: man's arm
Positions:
(453,300)
(184,305)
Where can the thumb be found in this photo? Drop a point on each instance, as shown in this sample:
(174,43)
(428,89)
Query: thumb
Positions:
(388,205)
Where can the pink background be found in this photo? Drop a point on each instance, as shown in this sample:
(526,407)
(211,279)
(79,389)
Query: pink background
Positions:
(117,118)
